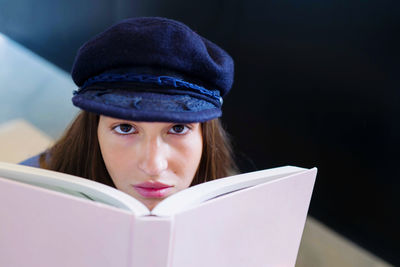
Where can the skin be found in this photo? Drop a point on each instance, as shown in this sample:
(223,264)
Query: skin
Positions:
(138,152)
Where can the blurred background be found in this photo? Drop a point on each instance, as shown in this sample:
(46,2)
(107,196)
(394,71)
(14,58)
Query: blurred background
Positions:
(317,84)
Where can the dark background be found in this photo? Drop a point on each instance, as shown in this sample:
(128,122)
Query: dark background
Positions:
(317,84)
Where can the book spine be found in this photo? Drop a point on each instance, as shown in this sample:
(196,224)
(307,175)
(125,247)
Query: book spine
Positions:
(151,241)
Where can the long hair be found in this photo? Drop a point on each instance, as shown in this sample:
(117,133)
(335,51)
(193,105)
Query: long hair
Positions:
(78,153)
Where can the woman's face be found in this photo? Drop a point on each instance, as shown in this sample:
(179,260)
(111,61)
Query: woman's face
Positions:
(150,160)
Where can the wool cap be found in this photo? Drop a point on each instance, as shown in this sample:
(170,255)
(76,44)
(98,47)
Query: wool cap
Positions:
(152,69)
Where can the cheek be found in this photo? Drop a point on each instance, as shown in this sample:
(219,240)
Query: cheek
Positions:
(191,154)
(114,158)
(110,156)
(196,153)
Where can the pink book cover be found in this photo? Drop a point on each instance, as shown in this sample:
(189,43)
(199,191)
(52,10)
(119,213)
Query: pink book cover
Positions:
(260,225)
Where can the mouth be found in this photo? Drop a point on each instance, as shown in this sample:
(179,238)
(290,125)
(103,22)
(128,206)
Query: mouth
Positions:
(153,189)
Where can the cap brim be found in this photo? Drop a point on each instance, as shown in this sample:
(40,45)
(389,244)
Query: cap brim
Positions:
(146,106)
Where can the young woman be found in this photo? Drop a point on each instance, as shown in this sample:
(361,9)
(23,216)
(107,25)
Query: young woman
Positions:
(151,93)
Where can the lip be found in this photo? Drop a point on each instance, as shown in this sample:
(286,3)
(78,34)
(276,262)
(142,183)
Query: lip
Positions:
(153,189)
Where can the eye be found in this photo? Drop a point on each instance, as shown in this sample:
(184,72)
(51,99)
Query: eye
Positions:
(124,129)
(179,129)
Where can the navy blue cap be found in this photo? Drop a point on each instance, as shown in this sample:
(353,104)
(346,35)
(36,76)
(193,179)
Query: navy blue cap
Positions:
(152,69)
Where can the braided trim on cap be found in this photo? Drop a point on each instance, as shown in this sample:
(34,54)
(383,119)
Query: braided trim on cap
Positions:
(145,78)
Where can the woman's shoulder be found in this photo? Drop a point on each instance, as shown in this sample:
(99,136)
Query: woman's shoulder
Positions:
(32,161)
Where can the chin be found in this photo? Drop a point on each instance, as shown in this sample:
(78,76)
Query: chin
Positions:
(150,203)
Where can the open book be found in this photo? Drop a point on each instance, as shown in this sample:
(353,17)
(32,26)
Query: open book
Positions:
(54,219)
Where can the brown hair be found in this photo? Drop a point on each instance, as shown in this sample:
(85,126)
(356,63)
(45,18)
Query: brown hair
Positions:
(78,153)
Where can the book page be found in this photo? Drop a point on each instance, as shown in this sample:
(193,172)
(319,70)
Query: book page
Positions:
(200,193)
(72,185)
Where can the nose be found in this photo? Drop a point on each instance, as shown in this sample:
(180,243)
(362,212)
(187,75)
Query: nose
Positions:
(153,157)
